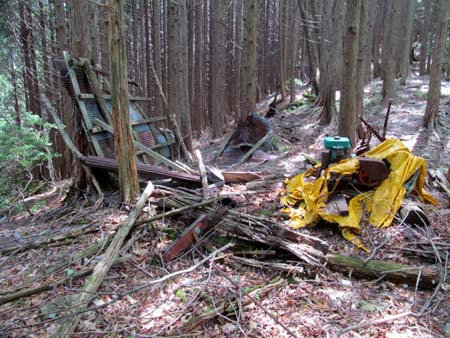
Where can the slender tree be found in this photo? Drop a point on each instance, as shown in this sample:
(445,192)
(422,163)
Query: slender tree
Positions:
(331,48)
(218,65)
(431,118)
(405,39)
(390,40)
(248,76)
(347,112)
(123,139)
(424,33)
(363,54)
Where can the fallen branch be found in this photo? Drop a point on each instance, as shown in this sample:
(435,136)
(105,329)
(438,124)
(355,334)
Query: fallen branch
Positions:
(7,298)
(88,252)
(101,269)
(425,277)
(47,241)
(201,168)
(269,265)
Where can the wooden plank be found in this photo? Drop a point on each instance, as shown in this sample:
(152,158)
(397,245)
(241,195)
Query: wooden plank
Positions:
(144,148)
(81,104)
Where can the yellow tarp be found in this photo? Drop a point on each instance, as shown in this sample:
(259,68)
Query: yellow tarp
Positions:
(306,197)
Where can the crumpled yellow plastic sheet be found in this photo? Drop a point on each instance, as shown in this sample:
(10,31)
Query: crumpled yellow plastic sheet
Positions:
(306,197)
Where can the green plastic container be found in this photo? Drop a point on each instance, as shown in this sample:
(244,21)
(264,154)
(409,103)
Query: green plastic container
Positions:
(336,142)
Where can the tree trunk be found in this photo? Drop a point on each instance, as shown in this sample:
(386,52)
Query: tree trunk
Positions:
(310,49)
(80,46)
(331,45)
(283,44)
(64,102)
(424,32)
(238,60)
(186,127)
(123,139)
(409,7)
(390,39)
(157,51)
(148,57)
(218,61)
(347,112)
(248,78)
(198,98)
(377,35)
(293,49)
(363,55)
(431,118)
(25,30)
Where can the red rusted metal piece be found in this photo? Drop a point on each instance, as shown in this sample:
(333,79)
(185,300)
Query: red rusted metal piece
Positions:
(192,233)
(372,171)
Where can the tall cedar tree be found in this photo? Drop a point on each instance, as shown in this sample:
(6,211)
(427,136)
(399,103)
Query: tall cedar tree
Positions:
(431,118)
(347,111)
(123,139)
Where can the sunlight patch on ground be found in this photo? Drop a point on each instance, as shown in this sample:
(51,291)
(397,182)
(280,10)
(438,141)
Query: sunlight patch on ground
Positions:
(445,89)
(410,140)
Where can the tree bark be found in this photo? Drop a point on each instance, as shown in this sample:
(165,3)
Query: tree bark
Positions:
(390,40)
(310,50)
(199,107)
(431,118)
(123,139)
(363,55)
(248,76)
(347,112)
(238,60)
(409,7)
(331,48)
(378,30)
(218,64)
(424,32)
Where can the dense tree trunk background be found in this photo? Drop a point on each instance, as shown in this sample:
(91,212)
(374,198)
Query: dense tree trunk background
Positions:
(215,60)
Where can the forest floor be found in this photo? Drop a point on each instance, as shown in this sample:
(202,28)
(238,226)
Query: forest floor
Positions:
(211,300)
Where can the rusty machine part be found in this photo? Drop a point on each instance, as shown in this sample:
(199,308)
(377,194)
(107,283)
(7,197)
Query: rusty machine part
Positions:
(372,171)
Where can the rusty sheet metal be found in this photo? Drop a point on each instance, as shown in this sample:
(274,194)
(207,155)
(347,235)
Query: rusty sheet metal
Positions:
(145,133)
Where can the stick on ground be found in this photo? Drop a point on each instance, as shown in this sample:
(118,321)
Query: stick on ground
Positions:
(69,325)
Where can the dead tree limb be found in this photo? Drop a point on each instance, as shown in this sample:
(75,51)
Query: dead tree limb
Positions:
(47,241)
(69,143)
(425,277)
(7,298)
(69,325)
(201,168)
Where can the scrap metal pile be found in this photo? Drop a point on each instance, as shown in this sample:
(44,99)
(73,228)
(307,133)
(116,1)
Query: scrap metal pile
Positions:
(373,184)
